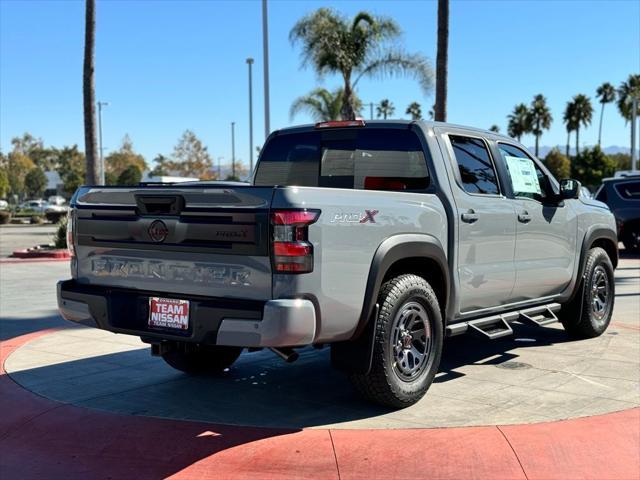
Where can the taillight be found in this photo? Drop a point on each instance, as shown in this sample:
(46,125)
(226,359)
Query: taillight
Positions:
(70,237)
(291,251)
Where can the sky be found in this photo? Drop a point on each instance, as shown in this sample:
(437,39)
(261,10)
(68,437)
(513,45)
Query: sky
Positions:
(166,66)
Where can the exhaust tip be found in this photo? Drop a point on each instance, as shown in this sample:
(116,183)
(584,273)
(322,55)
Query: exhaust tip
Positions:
(289,355)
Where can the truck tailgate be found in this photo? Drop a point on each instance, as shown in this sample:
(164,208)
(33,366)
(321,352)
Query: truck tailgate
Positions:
(189,240)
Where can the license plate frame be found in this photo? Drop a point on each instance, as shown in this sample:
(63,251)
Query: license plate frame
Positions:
(169,314)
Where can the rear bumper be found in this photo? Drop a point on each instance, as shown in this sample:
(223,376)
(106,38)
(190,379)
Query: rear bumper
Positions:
(213,321)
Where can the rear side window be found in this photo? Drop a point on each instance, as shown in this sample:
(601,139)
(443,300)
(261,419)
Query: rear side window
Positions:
(477,172)
(628,190)
(373,159)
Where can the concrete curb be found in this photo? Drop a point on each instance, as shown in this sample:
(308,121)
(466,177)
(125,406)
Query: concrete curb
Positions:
(43,438)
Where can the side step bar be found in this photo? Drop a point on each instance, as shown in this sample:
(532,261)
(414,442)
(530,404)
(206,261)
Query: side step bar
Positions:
(498,326)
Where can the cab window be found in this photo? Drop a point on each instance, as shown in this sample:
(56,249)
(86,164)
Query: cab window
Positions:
(527,178)
(477,172)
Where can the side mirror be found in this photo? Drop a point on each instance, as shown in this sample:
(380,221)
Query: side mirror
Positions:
(569,189)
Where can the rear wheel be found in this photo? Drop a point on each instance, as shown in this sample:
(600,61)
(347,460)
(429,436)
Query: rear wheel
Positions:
(589,313)
(407,345)
(203,360)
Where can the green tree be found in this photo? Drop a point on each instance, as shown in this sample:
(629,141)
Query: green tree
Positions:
(559,164)
(322,105)
(132,175)
(71,168)
(162,166)
(4,182)
(519,122)
(191,158)
(385,108)
(35,182)
(569,119)
(592,166)
(34,148)
(414,110)
(18,166)
(118,161)
(356,48)
(539,118)
(626,93)
(583,113)
(494,128)
(623,160)
(606,93)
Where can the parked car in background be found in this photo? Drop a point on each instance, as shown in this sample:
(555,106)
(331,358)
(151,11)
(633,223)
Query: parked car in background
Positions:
(38,206)
(56,200)
(55,212)
(622,195)
(4,205)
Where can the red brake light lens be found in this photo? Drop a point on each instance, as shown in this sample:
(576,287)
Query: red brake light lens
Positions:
(291,250)
(294,217)
(341,123)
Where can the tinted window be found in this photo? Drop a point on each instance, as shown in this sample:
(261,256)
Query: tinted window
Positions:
(602,194)
(628,190)
(476,169)
(527,178)
(373,159)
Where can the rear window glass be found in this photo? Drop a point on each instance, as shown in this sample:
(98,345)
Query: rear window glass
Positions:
(628,190)
(369,159)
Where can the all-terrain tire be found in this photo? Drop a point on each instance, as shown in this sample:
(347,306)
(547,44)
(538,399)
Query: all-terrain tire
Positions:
(205,360)
(387,383)
(589,313)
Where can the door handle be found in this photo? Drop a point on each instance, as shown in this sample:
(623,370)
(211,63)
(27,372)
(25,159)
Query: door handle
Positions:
(469,217)
(524,217)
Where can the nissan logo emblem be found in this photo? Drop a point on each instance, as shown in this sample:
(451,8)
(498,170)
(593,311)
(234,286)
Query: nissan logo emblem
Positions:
(158,231)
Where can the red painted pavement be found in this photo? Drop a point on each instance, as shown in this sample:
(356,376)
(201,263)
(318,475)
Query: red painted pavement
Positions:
(40,438)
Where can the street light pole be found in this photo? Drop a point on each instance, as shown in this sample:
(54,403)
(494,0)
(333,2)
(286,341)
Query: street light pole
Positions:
(634,150)
(250,63)
(233,149)
(265,53)
(371,110)
(100,105)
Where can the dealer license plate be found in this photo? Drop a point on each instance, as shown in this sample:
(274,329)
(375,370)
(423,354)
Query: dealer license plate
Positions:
(168,313)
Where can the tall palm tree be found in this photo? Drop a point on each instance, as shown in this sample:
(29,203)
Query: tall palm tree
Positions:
(88,95)
(569,119)
(583,113)
(626,93)
(607,94)
(385,109)
(519,122)
(322,105)
(355,49)
(442,58)
(540,118)
(414,110)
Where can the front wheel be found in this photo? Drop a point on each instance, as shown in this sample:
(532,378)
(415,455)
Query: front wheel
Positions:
(204,360)
(588,315)
(407,346)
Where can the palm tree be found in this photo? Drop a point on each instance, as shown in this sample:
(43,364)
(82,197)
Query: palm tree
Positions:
(583,112)
(355,49)
(519,122)
(607,94)
(441,61)
(626,93)
(385,109)
(494,128)
(539,118)
(88,95)
(322,105)
(415,111)
(569,119)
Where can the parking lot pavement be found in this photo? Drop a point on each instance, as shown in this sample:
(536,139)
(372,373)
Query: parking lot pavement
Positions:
(17,237)
(538,375)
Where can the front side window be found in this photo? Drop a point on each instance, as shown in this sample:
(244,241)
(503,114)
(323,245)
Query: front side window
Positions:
(527,179)
(628,190)
(477,172)
(373,159)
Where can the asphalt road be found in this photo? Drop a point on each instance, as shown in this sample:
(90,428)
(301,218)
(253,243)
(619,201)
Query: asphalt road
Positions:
(536,375)
(17,237)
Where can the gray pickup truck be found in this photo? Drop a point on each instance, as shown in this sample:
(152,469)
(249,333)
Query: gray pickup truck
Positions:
(380,239)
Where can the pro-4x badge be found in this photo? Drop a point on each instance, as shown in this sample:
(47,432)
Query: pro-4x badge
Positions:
(356,217)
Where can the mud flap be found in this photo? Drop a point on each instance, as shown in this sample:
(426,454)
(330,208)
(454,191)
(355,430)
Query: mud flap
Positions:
(355,356)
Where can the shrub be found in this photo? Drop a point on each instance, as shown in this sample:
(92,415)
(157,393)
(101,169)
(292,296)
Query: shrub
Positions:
(5,217)
(60,237)
(559,164)
(36,219)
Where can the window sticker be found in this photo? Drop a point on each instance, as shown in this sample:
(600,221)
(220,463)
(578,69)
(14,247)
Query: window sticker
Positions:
(523,175)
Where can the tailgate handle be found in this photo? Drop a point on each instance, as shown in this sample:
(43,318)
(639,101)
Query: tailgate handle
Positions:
(159,204)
